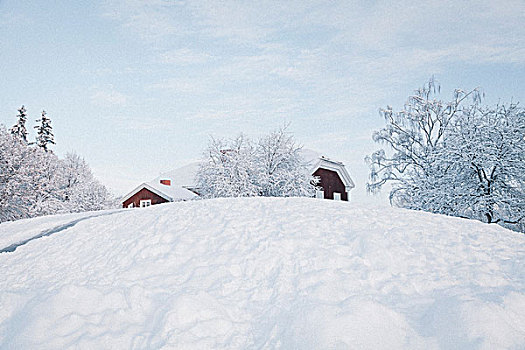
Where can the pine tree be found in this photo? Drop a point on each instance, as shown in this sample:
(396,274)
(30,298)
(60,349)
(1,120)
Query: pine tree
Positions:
(19,129)
(34,182)
(44,131)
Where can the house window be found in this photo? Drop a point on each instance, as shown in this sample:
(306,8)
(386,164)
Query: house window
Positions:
(319,194)
(145,203)
(337,196)
(130,205)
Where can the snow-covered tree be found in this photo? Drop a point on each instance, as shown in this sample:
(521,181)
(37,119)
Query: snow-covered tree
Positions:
(270,167)
(44,180)
(486,149)
(414,134)
(227,169)
(78,189)
(15,177)
(34,182)
(455,158)
(44,132)
(19,129)
(281,171)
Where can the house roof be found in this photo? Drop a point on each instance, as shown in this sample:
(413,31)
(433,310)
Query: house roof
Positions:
(175,191)
(183,176)
(170,193)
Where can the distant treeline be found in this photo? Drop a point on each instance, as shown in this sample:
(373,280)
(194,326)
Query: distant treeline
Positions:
(34,181)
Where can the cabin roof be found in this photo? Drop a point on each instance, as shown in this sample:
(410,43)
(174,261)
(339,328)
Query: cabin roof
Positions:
(170,193)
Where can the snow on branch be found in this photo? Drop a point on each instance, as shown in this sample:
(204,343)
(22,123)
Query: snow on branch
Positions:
(271,166)
(457,158)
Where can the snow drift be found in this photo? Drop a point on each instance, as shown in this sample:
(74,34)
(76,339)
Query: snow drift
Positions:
(261,273)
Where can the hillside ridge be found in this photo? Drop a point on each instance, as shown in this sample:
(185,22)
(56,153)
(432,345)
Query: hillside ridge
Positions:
(264,273)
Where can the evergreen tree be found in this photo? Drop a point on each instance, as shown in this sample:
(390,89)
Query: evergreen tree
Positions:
(44,132)
(19,129)
(34,182)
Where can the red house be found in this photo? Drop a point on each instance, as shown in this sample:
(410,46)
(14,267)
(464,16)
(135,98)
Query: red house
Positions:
(155,192)
(335,182)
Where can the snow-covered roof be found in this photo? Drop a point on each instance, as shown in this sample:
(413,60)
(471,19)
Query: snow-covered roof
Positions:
(171,192)
(176,192)
(183,176)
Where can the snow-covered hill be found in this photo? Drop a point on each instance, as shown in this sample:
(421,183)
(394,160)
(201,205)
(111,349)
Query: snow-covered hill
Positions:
(261,273)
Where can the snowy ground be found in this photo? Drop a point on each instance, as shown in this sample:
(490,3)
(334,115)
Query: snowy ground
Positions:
(261,273)
(18,233)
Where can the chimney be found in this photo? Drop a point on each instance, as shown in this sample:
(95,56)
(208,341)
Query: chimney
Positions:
(166,182)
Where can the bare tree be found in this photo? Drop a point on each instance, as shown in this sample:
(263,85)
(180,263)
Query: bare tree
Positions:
(456,158)
(270,167)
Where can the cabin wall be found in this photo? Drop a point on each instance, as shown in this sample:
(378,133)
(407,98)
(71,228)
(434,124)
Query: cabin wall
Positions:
(331,182)
(142,195)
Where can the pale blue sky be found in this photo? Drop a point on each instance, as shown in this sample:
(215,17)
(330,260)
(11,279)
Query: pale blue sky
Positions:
(136,86)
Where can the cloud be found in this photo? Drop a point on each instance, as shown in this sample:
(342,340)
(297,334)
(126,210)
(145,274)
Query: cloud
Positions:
(144,123)
(307,58)
(149,19)
(184,85)
(355,27)
(184,56)
(105,98)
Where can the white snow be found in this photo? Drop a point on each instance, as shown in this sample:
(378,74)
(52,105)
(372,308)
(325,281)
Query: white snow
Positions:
(176,193)
(264,273)
(14,232)
(183,176)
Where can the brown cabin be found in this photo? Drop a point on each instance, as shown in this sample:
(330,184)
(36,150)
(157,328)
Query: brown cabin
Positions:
(335,182)
(156,192)
(143,198)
